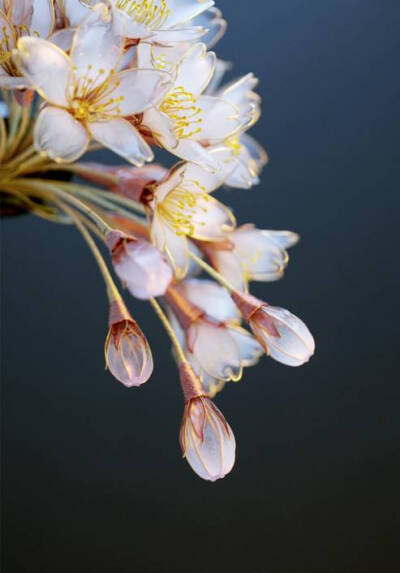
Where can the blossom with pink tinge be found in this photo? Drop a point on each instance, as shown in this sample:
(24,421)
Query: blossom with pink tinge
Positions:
(139,265)
(127,352)
(206,439)
(283,336)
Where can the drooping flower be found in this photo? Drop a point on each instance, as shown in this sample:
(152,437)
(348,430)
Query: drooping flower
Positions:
(182,207)
(139,265)
(85,95)
(215,345)
(127,352)
(283,336)
(206,439)
(251,254)
(20,18)
(186,120)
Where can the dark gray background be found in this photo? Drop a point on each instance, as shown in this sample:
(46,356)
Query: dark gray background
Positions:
(92,475)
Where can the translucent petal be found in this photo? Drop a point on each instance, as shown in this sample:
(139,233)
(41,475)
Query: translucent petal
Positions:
(294,346)
(59,135)
(129,358)
(183,10)
(47,68)
(96,49)
(142,269)
(134,91)
(210,297)
(122,138)
(196,69)
(216,351)
(211,456)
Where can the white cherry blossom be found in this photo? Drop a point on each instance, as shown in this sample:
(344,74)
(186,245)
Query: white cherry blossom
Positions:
(186,122)
(182,207)
(85,96)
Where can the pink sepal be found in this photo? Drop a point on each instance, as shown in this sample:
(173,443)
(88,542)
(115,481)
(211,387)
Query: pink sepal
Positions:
(115,237)
(246,303)
(118,313)
(190,383)
(261,319)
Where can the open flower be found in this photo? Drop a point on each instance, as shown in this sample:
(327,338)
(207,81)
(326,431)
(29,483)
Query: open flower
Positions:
(186,120)
(86,97)
(139,265)
(251,254)
(183,207)
(127,352)
(283,336)
(21,18)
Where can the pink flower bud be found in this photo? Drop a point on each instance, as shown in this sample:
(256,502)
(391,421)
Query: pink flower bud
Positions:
(282,335)
(127,352)
(206,439)
(139,265)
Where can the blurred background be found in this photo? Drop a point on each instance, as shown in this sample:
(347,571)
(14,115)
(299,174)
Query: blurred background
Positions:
(93,478)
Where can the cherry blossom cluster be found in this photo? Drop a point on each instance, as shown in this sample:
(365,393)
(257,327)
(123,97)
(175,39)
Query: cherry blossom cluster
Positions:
(133,77)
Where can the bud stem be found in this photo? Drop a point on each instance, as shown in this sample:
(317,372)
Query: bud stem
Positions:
(212,272)
(170,331)
(112,291)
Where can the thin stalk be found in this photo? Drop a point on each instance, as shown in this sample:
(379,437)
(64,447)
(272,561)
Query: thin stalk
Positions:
(112,290)
(181,358)
(39,185)
(212,272)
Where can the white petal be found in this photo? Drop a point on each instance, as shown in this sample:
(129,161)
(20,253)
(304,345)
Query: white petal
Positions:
(210,297)
(74,11)
(178,35)
(229,266)
(42,21)
(192,151)
(96,49)
(177,250)
(12,82)
(295,345)
(63,38)
(211,181)
(59,135)
(283,239)
(213,22)
(122,138)
(161,127)
(250,350)
(47,68)
(138,89)
(220,119)
(196,69)
(211,219)
(216,351)
(184,10)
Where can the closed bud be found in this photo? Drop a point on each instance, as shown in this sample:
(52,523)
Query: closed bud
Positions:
(206,438)
(283,336)
(139,264)
(127,352)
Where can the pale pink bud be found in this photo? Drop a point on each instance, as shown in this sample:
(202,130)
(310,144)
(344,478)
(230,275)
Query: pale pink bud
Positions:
(282,335)
(206,438)
(139,265)
(127,352)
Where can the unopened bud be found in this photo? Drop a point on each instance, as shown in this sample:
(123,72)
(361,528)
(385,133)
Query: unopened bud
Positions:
(206,439)
(127,352)
(139,265)
(282,335)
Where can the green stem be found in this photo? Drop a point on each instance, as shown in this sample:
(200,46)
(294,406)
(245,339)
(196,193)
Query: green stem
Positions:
(112,290)
(181,358)
(212,272)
